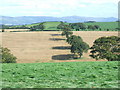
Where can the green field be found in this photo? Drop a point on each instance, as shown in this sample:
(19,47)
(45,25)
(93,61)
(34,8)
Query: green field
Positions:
(53,25)
(61,75)
(48,25)
(105,25)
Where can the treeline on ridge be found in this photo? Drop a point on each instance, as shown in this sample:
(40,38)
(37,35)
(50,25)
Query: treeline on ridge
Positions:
(91,26)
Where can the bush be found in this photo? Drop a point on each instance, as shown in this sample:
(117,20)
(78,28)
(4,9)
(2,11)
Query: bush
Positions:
(6,56)
(106,48)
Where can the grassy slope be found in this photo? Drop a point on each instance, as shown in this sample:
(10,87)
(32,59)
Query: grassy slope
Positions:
(48,25)
(61,75)
(105,25)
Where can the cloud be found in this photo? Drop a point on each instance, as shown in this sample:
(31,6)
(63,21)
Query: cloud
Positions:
(56,7)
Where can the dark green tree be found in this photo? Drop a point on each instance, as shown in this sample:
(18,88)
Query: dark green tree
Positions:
(82,26)
(106,48)
(37,27)
(78,26)
(41,26)
(73,39)
(91,27)
(66,31)
(97,26)
(78,48)
(60,26)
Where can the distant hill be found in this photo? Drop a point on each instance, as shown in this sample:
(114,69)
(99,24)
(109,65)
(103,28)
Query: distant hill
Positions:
(36,19)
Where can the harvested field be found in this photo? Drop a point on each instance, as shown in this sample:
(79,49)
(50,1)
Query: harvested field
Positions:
(46,46)
(11,30)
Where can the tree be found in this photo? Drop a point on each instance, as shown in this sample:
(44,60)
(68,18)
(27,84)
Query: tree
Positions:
(97,26)
(37,27)
(73,39)
(6,56)
(32,28)
(106,48)
(60,26)
(76,42)
(41,26)
(78,26)
(78,48)
(118,29)
(82,26)
(91,27)
(66,31)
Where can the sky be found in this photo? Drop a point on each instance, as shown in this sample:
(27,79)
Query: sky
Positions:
(59,8)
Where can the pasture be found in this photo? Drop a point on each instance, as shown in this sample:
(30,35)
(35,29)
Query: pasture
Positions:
(105,25)
(53,25)
(61,75)
(47,46)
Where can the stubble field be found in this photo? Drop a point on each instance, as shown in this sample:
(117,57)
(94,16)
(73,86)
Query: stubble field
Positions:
(47,46)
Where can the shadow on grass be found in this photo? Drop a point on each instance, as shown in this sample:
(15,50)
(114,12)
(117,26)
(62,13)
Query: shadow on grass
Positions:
(57,39)
(63,57)
(55,34)
(62,47)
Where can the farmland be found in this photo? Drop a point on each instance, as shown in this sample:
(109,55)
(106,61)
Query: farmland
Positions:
(36,48)
(53,25)
(47,46)
(103,25)
(61,75)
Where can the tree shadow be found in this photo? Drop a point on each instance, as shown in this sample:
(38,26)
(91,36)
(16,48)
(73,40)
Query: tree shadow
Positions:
(62,47)
(55,34)
(63,57)
(57,39)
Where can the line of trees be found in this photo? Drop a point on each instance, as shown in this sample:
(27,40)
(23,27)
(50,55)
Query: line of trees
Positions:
(14,27)
(78,46)
(103,47)
(79,26)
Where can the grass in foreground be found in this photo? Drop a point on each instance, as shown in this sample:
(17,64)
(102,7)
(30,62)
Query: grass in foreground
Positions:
(61,75)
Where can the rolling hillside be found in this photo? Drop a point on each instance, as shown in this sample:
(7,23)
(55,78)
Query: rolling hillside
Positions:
(48,25)
(105,25)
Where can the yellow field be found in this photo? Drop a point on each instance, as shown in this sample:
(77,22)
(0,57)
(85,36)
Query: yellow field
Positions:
(46,46)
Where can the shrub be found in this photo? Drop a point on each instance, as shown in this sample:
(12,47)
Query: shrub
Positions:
(6,56)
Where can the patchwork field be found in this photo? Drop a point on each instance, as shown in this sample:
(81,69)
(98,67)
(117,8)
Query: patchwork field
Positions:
(47,46)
